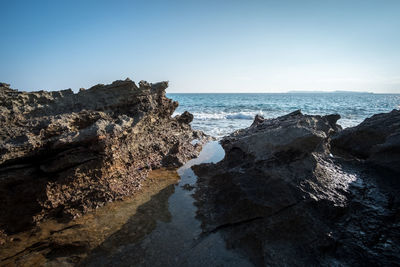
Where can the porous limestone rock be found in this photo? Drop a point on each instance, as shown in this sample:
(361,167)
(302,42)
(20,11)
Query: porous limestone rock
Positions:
(63,154)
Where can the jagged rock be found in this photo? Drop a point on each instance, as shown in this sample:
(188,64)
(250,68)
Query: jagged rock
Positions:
(282,199)
(185,117)
(257,120)
(62,154)
(377,140)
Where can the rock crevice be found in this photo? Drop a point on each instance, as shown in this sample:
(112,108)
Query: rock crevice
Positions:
(284,195)
(63,154)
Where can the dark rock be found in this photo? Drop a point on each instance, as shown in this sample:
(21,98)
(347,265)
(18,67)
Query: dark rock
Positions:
(282,199)
(257,120)
(63,154)
(188,187)
(185,117)
(377,140)
(5,85)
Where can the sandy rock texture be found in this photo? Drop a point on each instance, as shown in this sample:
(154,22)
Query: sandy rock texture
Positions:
(63,153)
(282,197)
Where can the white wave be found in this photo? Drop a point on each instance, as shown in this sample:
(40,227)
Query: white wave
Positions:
(240,116)
(209,116)
(226,116)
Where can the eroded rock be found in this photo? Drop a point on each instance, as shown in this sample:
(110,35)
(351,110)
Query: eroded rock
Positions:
(377,140)
(282,199)
(63,154)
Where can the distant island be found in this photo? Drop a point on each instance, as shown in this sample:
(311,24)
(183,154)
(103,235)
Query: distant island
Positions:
(327,92)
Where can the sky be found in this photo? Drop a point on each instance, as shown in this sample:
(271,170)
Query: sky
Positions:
(202,46)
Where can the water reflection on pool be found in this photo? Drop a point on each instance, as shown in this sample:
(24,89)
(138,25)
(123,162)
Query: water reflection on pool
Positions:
(157,227)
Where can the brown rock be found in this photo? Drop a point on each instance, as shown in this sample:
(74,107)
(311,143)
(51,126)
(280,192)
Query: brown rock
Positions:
(63,154)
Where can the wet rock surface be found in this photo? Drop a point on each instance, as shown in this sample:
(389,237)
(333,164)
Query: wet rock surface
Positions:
(283,196)
(63,154)
(53,243)
(154,227)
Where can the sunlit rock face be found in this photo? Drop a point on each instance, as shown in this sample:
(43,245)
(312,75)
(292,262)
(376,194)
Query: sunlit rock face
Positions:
(62,154)
(282,199)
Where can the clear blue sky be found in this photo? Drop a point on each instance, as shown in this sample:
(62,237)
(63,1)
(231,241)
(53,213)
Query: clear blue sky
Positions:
(203,46)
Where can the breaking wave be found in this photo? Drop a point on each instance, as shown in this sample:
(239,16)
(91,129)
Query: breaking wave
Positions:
(224,116)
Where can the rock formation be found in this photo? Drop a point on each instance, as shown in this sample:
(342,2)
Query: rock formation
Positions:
(281,198)
(62,154)
(376,140)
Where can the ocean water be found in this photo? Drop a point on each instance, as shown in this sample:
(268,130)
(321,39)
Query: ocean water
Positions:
(220,114)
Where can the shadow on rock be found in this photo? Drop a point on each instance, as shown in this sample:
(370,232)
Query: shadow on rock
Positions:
(63,154)
(281,198)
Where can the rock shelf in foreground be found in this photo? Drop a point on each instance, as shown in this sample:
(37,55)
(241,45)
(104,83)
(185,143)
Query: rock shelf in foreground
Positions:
(63,154)
(300,191)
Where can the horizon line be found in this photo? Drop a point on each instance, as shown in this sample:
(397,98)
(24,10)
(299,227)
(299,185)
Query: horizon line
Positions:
(291,92)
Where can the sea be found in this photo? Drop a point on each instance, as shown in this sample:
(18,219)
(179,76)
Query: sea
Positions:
(221,114)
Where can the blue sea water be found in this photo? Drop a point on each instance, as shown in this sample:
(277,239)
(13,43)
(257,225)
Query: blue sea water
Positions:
(221,114)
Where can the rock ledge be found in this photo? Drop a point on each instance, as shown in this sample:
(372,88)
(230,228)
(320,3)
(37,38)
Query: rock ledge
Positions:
(63,154)
(283,197)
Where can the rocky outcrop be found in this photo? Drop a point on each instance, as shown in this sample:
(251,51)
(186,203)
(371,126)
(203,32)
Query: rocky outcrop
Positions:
(376,140)
(281,198)
(63,154)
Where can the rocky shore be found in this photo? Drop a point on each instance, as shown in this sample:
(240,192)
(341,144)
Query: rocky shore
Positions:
(63,153)
(300,191)
(297,190)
